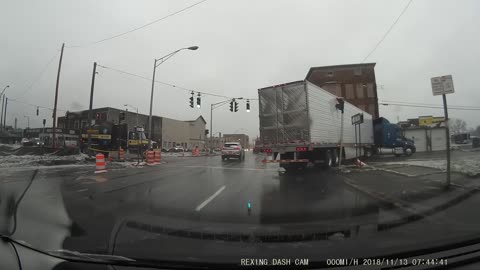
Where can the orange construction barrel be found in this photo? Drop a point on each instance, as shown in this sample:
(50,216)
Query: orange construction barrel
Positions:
(100,163)
(150,157)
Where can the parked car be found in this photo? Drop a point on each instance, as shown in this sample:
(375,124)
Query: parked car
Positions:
(233,150)
(176,149)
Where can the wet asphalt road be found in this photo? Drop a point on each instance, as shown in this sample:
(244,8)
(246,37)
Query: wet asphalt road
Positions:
(127,211)
(197,189)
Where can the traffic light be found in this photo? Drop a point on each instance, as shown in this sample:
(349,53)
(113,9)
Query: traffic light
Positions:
(191,101)
(198,101)
(37,110)
(236,106)
(248,105)
(340,104)
(206,132)
(231,105)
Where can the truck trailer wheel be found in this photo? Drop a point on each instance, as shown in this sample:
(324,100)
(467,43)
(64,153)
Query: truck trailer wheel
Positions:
(327,160)
(335,158)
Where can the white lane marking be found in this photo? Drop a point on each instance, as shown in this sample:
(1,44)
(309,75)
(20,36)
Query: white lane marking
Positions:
(85,189)
(199,207)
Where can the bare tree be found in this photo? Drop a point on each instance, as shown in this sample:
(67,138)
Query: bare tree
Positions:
(457,126)
(477,131)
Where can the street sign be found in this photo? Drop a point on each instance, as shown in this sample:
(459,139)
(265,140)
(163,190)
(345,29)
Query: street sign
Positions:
(140,129)
(357,119)
(442,85)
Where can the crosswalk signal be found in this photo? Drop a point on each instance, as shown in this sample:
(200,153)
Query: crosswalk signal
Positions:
(231,105)
(340,104)
(236,106)
(191,101)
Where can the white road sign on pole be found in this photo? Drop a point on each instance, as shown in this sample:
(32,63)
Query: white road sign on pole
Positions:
(442,85)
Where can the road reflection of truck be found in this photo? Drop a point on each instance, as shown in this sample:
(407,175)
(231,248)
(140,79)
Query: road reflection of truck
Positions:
(300,124)
(107,136)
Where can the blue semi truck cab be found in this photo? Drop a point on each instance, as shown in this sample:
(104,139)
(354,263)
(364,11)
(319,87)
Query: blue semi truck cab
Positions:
(388,135)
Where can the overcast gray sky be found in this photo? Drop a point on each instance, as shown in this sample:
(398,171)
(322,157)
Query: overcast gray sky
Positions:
(244,45)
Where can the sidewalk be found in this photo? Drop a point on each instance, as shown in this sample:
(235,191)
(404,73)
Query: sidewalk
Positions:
(418,196)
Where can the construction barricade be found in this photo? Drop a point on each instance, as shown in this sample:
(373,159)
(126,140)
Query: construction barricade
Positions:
(150,157)
(100,165)
(121,154)
(157,156)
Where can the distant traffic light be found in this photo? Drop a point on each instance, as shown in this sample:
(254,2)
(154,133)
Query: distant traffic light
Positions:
(37,110)
(248,105)
(206,132)
(236,106)
(191,101)
(340,104)
(231,105)
(198,101)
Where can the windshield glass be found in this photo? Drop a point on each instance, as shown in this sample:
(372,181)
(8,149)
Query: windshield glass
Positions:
(231,145)
(301,130)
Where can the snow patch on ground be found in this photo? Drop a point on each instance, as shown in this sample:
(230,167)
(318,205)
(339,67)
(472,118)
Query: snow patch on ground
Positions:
(11,146)
(470,167)
(41,160)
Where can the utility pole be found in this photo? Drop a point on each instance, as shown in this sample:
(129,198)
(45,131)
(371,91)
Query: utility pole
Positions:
(56,97)
(15,123)
(91,105)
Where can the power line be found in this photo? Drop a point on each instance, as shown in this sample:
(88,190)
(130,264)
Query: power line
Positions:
(34,105)
(169,84)
(37,78)
(426,104)
(140,27)
(431,107)
(388,31)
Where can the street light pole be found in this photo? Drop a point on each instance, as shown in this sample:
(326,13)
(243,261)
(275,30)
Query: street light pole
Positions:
(151,106)
(155,65)
(90,106)
(2,96)
(56,98)
(1,116)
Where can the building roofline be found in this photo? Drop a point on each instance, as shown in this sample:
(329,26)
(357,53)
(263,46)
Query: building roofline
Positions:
(312,69)
(201,117)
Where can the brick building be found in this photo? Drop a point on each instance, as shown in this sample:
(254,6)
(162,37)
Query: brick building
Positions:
(355,82)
